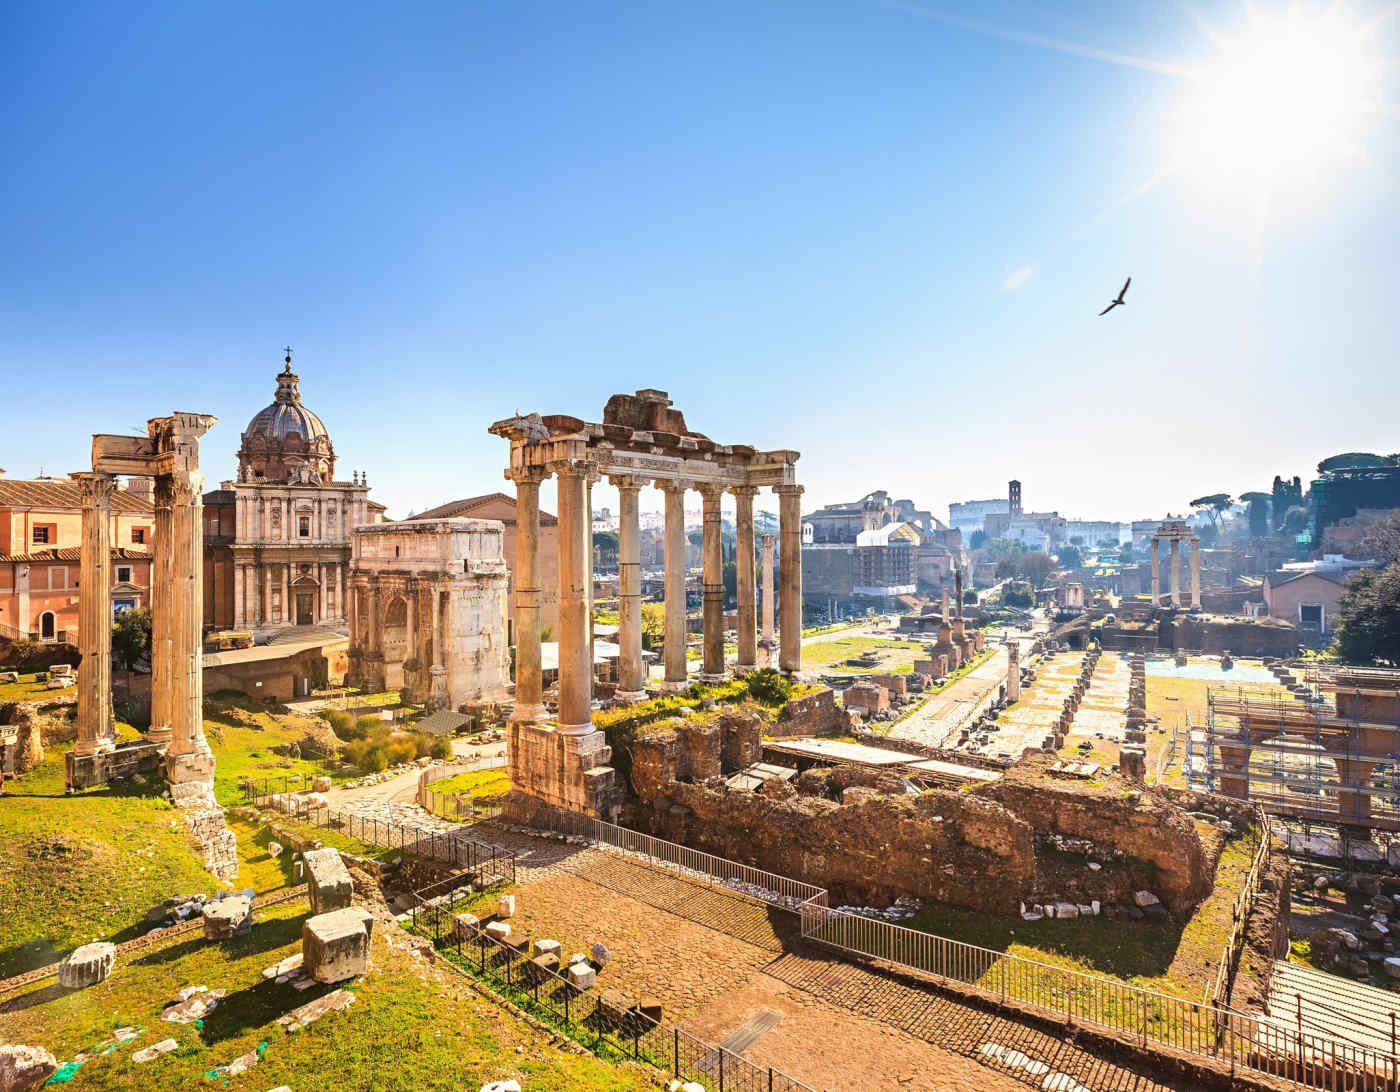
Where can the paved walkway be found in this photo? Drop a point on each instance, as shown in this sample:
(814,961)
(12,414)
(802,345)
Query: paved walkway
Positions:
(718,960)
(938,719)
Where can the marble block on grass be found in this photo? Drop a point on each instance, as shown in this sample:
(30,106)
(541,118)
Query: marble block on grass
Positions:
(88,965)
(498,930)
(335,946)
(224,918)
(506,907)
(582,975)
(328,880)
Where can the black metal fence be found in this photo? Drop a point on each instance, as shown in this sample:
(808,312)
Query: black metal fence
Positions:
(488,863)
(597,1018)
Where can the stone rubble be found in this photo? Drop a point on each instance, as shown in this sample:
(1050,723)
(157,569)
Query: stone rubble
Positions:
(87,965)
(312,1011)
(151,1053)
(191,1004)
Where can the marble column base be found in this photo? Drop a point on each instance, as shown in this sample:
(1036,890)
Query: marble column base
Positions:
(194,766)
(630,695)
(712,679)
(745,669)
(103,746)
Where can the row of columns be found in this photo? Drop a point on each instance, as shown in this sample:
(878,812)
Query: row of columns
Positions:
(1154,555)
(177,612)
(254,584)
(575,627)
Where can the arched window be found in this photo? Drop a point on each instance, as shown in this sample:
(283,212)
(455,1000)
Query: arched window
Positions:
(46,626)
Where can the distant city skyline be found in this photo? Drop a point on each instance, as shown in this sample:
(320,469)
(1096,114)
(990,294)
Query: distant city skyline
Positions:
(879,234)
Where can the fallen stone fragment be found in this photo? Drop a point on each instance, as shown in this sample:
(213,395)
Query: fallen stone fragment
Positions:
(88,965)
(510,1085)
(600,955)
(24,1067)
(195,1003)
(226,918)
(546,948)
(498,930)
(314,1010)
(506,907)
(1144,899)
(335,946)
(165,1046)
(284,968)
(329,886)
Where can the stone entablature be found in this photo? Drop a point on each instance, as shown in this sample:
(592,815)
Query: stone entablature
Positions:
(429,610)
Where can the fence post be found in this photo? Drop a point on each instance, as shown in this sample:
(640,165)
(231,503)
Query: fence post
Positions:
(676,1049)
(721,1069)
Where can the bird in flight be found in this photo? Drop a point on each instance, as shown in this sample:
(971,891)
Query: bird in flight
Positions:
(1120,300)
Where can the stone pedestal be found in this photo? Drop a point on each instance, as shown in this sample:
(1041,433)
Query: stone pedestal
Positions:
(335,946)
(328,880)
(228,917)
(556,770)
(88,965)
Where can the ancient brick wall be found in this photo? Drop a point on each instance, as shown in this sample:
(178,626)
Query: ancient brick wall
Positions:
(813,714)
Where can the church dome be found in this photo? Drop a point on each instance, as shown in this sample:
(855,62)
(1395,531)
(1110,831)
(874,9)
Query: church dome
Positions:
(286,442)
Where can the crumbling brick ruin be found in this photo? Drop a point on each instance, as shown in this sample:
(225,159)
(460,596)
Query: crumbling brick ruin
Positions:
(861,834)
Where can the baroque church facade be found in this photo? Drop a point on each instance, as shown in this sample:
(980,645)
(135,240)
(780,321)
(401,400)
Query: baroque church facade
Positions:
(277,539)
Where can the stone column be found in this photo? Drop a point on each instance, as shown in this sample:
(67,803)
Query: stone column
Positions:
(529,702)
(674,647)
(1195,571)
(162,496)
(575,657)
(1013,670)
(631,683)
(237,594)
(96,732)
(1156,569)
(744,584)
(768,544)
(790,603)
(188,759)
(287,616)
(1176,572)
(712,583)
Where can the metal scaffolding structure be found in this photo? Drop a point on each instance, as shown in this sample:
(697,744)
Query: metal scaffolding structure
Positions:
(1328,752)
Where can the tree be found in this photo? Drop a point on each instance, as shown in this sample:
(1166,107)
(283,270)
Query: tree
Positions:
(1295,519)
(1035,567)
(1070,557)
(1125,553)
(1212,506)
(977,539)
(131,638)
(653,624)
(1006,569)
(1259,505)
(1370,617)
(1285,496)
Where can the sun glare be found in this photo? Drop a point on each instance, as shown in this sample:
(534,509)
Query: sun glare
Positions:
(1281,106)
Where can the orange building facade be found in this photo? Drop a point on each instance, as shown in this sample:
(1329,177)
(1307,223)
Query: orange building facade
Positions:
(40,540)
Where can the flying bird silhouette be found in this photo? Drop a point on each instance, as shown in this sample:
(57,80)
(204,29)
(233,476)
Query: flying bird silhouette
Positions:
(1120,300)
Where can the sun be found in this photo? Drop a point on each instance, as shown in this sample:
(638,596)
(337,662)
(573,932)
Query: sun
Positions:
(1283,105)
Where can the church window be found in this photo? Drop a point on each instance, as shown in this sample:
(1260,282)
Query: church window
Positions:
(304,526)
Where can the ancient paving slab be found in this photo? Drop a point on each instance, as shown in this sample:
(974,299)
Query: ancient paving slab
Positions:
(940,715)
(312,1011)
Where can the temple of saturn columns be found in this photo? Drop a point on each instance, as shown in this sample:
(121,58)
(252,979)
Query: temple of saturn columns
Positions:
(168,453)
(641,439)
(1175,532)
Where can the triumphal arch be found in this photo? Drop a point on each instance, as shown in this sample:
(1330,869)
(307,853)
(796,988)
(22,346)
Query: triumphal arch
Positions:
(641,440)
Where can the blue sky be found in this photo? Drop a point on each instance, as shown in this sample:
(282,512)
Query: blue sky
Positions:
(804,220)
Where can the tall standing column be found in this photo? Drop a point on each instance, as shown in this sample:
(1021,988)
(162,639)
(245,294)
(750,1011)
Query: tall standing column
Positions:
(790,569)
(287,617)
(237,619)
(529,690)
(1195,571)
(744,583)
(712,584)
(162,602)
(767,641)
(674,644)
(96,732)
(1176,572)
(575,656)
(1153,556)
(188,758)
(631,677)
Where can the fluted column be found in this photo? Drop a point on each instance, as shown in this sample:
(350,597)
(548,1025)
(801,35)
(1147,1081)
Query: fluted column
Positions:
(631,676)
(1176,572)
(744,583)
(575,653)
(674,646)
(287,617)
(237,620)
(188,757)
(712,584)
(1156,568)
(162,496)
(790,570)
(1195,571)
(529,689)
(96,732)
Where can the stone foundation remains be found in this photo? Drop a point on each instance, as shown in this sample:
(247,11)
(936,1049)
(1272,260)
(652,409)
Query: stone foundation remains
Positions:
(552,769)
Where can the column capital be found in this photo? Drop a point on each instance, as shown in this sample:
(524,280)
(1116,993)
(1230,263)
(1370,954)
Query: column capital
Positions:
(571,467)
(526,475)
(792,490)
(96,488)
(187,487)
(629,482)
(710,491)
(671,485)
(744,490)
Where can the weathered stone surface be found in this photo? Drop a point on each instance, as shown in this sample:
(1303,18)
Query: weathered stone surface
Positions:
(225,918)
(151,1053)
(466,926)
(335,946)
(329,886)
(191,1004)
(582,976)
(506,907)
(24,1067)
(498,930)
(88,965)
(313,1010)
(600,955)
(285,968)
(546,947)
(1144,899)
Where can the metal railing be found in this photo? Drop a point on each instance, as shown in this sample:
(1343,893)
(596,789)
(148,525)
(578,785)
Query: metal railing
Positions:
(1219,990)
(1262,1044)
(489,862)
(596,1018)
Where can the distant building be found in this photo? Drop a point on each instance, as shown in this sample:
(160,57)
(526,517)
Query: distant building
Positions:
(1094,532)
(40,543)
(969,516)
(1307,593)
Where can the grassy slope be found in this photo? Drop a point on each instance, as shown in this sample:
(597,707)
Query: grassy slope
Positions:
(245,750)
(408,1029)
(481,784)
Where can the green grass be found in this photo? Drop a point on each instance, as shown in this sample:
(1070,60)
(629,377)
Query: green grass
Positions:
(830,654)
(29,690)
(85,867)
(245,750)
(479,784)
(409,1028)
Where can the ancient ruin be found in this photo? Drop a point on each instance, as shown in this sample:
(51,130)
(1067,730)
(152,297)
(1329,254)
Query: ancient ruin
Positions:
(168,453)
(640,439)
(1175,532)
(427,615)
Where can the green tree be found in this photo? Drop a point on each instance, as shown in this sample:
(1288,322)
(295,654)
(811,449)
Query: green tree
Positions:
(1295,519)
(1070,557)
(1259,505)
(1006,569)
(1035,567)
(1125,553)
(977,539)
(653,624)
(131,638)
(1212,506)
(1370,617)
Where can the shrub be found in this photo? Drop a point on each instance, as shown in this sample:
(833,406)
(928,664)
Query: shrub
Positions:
(355,752)
(401,751)
(342,724)
(766,685)
(441,748)
(375,761)
(422,744)
(368,726)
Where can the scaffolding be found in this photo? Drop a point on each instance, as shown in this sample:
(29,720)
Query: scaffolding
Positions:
(1327,752)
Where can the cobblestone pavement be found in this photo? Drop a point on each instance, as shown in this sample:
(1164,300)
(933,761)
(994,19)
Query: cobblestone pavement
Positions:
(715,960)
(935,721)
